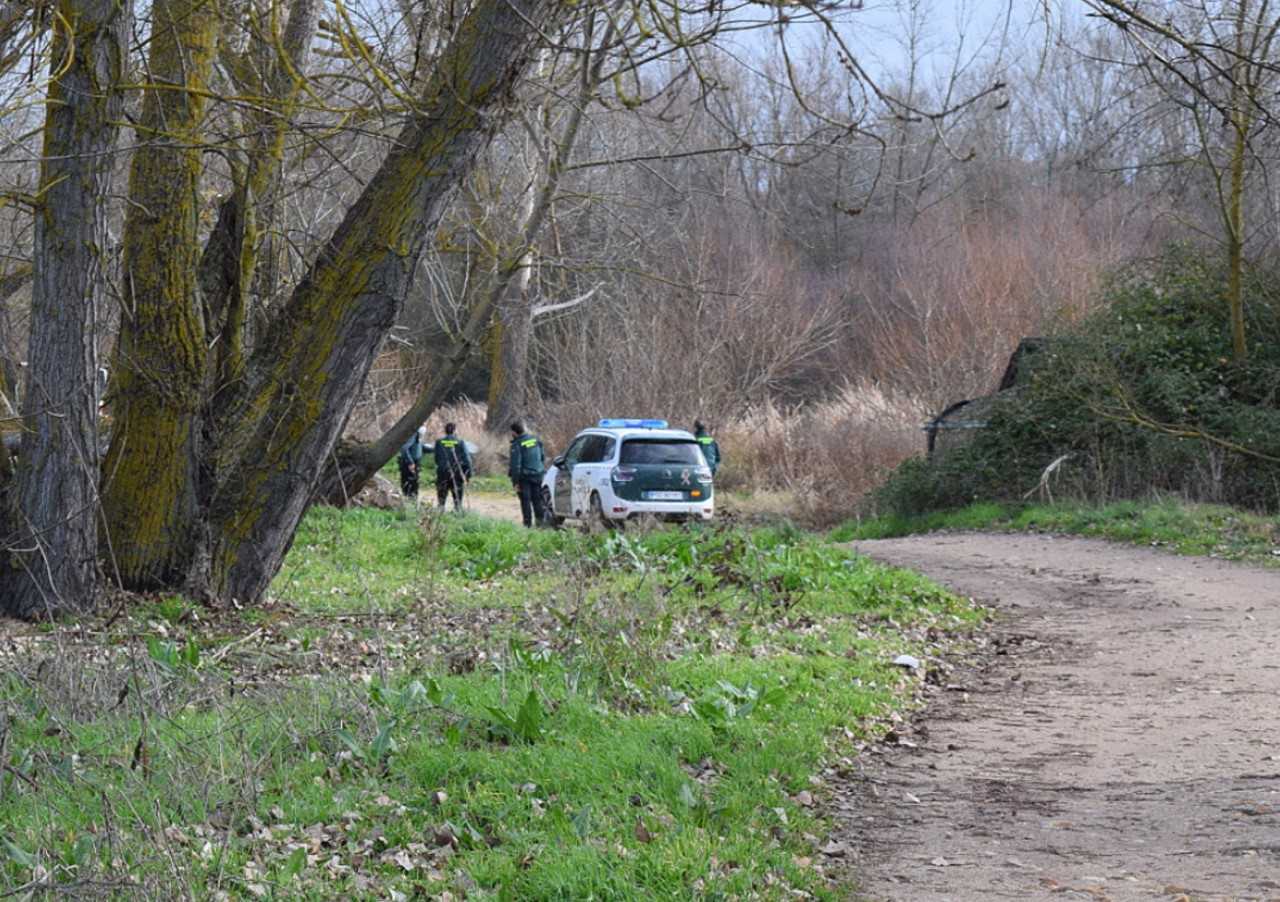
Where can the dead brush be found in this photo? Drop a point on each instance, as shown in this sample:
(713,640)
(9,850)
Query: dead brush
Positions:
(826,457)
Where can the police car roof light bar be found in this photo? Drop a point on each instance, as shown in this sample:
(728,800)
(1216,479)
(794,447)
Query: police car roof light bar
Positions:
(623,423)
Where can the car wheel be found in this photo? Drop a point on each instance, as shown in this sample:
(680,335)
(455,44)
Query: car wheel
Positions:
(549,510)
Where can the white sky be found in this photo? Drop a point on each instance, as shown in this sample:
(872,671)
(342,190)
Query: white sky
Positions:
(878,32)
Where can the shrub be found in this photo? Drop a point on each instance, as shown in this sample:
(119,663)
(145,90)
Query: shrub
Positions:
(1141,398)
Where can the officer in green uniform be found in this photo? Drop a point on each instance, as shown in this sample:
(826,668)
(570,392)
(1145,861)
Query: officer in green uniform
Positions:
(526,469)
(453,467)
(710,450)
(409,458)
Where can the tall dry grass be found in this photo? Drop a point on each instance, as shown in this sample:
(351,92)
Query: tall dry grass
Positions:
(824,457)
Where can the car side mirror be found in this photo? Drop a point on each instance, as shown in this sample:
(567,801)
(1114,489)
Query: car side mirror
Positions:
(559,461)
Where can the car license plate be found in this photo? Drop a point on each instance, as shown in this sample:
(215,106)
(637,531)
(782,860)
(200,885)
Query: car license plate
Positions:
(664,496)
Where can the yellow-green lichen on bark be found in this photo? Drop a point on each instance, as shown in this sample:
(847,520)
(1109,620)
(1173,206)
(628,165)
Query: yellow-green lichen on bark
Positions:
(156,397)
(325,339)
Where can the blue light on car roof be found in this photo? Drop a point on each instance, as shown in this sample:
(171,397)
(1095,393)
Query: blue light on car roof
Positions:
(622,423)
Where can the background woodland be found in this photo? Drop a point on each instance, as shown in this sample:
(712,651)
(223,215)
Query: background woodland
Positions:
(246,246)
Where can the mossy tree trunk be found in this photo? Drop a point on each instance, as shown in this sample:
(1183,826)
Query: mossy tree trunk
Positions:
(150,476)
(352,465)
(240,256)
(303,378)
(52,566)
(217,446)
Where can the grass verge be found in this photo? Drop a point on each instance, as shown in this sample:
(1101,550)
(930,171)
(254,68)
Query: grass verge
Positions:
(1191,529)
(461,708)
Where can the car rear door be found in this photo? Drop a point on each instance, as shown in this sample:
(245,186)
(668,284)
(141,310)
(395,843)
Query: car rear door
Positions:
(665,469)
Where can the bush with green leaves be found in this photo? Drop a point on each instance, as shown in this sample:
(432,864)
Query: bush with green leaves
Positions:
(1142,398)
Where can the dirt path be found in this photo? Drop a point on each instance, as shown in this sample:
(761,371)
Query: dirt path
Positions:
(1119,739)
(494,505)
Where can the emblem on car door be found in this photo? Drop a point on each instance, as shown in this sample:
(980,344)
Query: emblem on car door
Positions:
(684,477)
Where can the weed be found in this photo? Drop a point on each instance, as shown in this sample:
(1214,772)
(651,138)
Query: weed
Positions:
(172,657)
(173,609)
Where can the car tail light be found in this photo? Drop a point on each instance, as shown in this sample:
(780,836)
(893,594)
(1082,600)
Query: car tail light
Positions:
(624,474)
(696,493)
(704,476)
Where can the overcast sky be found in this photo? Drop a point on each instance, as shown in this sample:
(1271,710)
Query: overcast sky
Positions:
(878,32)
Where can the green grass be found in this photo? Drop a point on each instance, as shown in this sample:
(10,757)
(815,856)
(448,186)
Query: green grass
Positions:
(1192,529)
(466,706)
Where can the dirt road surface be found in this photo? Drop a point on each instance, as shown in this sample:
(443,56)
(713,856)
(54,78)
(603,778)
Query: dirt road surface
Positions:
(1118,740)
(494,505)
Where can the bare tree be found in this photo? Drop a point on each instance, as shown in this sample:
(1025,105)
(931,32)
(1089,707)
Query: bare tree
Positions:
(1213,62)
(220,518)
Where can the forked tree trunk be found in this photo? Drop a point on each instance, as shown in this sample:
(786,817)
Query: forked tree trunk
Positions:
(352,465)
(278,423)
(307,373)
(150,477)
(52,566)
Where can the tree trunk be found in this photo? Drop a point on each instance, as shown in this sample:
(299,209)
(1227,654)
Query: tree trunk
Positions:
(150,485)
(305,376)
(509,355)
(1242,101)
(352,465)
(52,568)
(10,284)
(513,326)
(241,256)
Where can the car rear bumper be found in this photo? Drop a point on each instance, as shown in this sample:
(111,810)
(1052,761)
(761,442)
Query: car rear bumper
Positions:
(622,510)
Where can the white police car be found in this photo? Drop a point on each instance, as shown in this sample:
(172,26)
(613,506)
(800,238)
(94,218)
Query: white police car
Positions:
(621,469)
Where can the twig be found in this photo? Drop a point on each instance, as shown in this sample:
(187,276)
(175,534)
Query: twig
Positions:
(1043,486)
(222,652)
(23,777)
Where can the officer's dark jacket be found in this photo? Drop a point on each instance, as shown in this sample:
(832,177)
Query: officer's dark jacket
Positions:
(526,458)
(452,457)
(411,452)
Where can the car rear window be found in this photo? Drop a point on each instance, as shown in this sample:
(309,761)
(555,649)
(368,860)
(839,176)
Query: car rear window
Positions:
(661,451)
